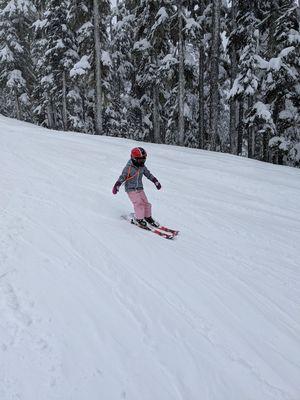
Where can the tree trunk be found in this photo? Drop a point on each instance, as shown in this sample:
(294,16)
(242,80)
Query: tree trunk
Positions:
(201,85)
(181,82)
(98,72)
(240,128)
(253,138)
(233,70)
(50,112)
(156,123)
(54,114)
(214,77)
(250,142)
(64,102)
(250,133)
(265,140)
(18,106)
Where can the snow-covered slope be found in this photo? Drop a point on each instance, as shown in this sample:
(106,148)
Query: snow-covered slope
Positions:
(93,308)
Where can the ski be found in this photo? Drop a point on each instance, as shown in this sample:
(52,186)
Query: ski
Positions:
(166,235)
(169,230)
(158,232)
(161,227)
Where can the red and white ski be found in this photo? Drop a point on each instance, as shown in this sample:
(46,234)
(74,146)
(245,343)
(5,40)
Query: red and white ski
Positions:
(169,230)
(157,230)
(161,227)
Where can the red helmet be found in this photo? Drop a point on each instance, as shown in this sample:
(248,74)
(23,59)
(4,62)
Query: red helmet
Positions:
(138,153)
(138,156)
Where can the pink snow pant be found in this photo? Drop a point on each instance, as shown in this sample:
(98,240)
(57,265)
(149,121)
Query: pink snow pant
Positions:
(142,207)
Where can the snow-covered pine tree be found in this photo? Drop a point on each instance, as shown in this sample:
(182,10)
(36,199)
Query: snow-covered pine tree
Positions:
(223,138)
(16,76)
(122,31)
(199,13)
(244,87)
(57,55)
(100,61)
(214,74)
(182,78)
(98,69)
(192,37)
(152,50)
(233,44)
(283,88)
(181,74)
(81,94)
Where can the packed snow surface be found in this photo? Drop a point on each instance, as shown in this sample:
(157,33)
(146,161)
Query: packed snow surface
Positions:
(93,308)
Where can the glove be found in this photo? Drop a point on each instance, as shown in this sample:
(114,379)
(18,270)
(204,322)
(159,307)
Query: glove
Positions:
(157,184)
(116,187)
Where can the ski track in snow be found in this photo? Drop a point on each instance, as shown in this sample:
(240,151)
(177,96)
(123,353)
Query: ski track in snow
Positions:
(92,307)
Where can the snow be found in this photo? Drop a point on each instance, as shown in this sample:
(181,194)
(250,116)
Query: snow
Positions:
(280,142)
(262,111)
(191,26)
(15,79)
(261,63)
(74,95)
(236,89)
(47,79)
(294,37)
(24,99)
(19,6)
(119,25)
(81,67)
(142,45)
(287,114)
(167,62)
(84,32)
(40,24)
(59,44)
(105,58)
(147,121)
(6,55)
(94,308)
(274,63)
(161,17)
(286,51)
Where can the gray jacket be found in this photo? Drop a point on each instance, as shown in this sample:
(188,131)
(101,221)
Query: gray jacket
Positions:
(132,176)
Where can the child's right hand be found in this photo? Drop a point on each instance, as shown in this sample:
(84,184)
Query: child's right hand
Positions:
(157,184)
(116,187)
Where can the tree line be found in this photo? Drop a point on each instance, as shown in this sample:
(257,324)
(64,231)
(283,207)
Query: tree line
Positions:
(210,74)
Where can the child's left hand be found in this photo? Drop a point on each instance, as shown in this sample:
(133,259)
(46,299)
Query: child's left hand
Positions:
(157,184)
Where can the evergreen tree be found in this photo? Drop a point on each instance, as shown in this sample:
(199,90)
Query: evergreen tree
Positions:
(81,96)
(233,46)
(57,51)
(122,103)
(151,47)
(282,91)
(16,76)
(214,75)
(246,83)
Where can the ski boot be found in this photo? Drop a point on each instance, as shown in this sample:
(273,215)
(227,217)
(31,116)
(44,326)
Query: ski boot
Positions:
(151,222)
(140,222)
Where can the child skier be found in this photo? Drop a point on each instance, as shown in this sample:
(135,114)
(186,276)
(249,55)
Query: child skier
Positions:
(132,176)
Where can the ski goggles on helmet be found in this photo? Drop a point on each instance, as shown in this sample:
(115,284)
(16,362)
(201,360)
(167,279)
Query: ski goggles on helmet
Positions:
(140,160)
